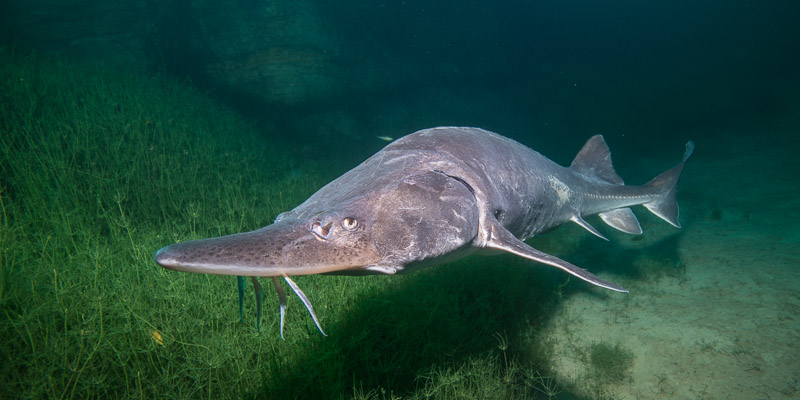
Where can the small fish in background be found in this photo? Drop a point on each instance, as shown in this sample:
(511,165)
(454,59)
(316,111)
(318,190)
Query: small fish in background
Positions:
(385,138)
(157,337)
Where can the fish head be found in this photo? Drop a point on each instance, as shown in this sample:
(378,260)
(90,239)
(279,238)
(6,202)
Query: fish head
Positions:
(380,230)
(424,219)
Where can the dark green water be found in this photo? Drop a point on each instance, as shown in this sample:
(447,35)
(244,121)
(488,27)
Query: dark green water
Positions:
(234,112)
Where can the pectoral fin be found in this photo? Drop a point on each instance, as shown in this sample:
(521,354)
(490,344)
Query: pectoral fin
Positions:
(502,239)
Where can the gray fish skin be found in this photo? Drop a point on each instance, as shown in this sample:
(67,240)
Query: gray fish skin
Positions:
(435,196)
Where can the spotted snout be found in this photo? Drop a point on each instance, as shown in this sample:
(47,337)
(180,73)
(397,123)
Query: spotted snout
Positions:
(327,243)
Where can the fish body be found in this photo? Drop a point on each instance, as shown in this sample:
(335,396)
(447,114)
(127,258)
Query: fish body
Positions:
(431,197)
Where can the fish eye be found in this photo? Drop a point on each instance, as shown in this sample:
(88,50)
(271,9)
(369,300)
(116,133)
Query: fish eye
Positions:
(349,223)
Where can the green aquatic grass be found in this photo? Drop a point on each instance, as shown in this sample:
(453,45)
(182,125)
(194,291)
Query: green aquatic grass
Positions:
(607,366)
(99,168)
(610,363)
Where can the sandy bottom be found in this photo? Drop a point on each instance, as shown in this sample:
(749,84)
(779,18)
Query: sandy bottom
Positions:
(728,325)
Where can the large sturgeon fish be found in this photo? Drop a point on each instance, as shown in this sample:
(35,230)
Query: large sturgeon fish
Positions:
(431,197)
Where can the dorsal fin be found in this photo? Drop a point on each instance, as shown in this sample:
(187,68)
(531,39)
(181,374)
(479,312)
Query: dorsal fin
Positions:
(594,160)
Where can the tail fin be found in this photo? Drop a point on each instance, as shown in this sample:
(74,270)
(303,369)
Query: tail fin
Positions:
(665,206)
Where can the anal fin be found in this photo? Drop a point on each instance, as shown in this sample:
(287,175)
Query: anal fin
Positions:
(622,219)
(502,239)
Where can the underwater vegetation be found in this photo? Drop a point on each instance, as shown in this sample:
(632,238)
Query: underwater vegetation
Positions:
(610,363)
(97,168)
(100,167)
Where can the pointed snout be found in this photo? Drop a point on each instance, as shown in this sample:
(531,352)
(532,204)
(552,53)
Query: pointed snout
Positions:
(286,247)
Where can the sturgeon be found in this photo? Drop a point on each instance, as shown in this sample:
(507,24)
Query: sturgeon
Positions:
(432,197)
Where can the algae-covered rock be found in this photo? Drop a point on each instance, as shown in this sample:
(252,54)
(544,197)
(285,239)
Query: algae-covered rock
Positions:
(282,52)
